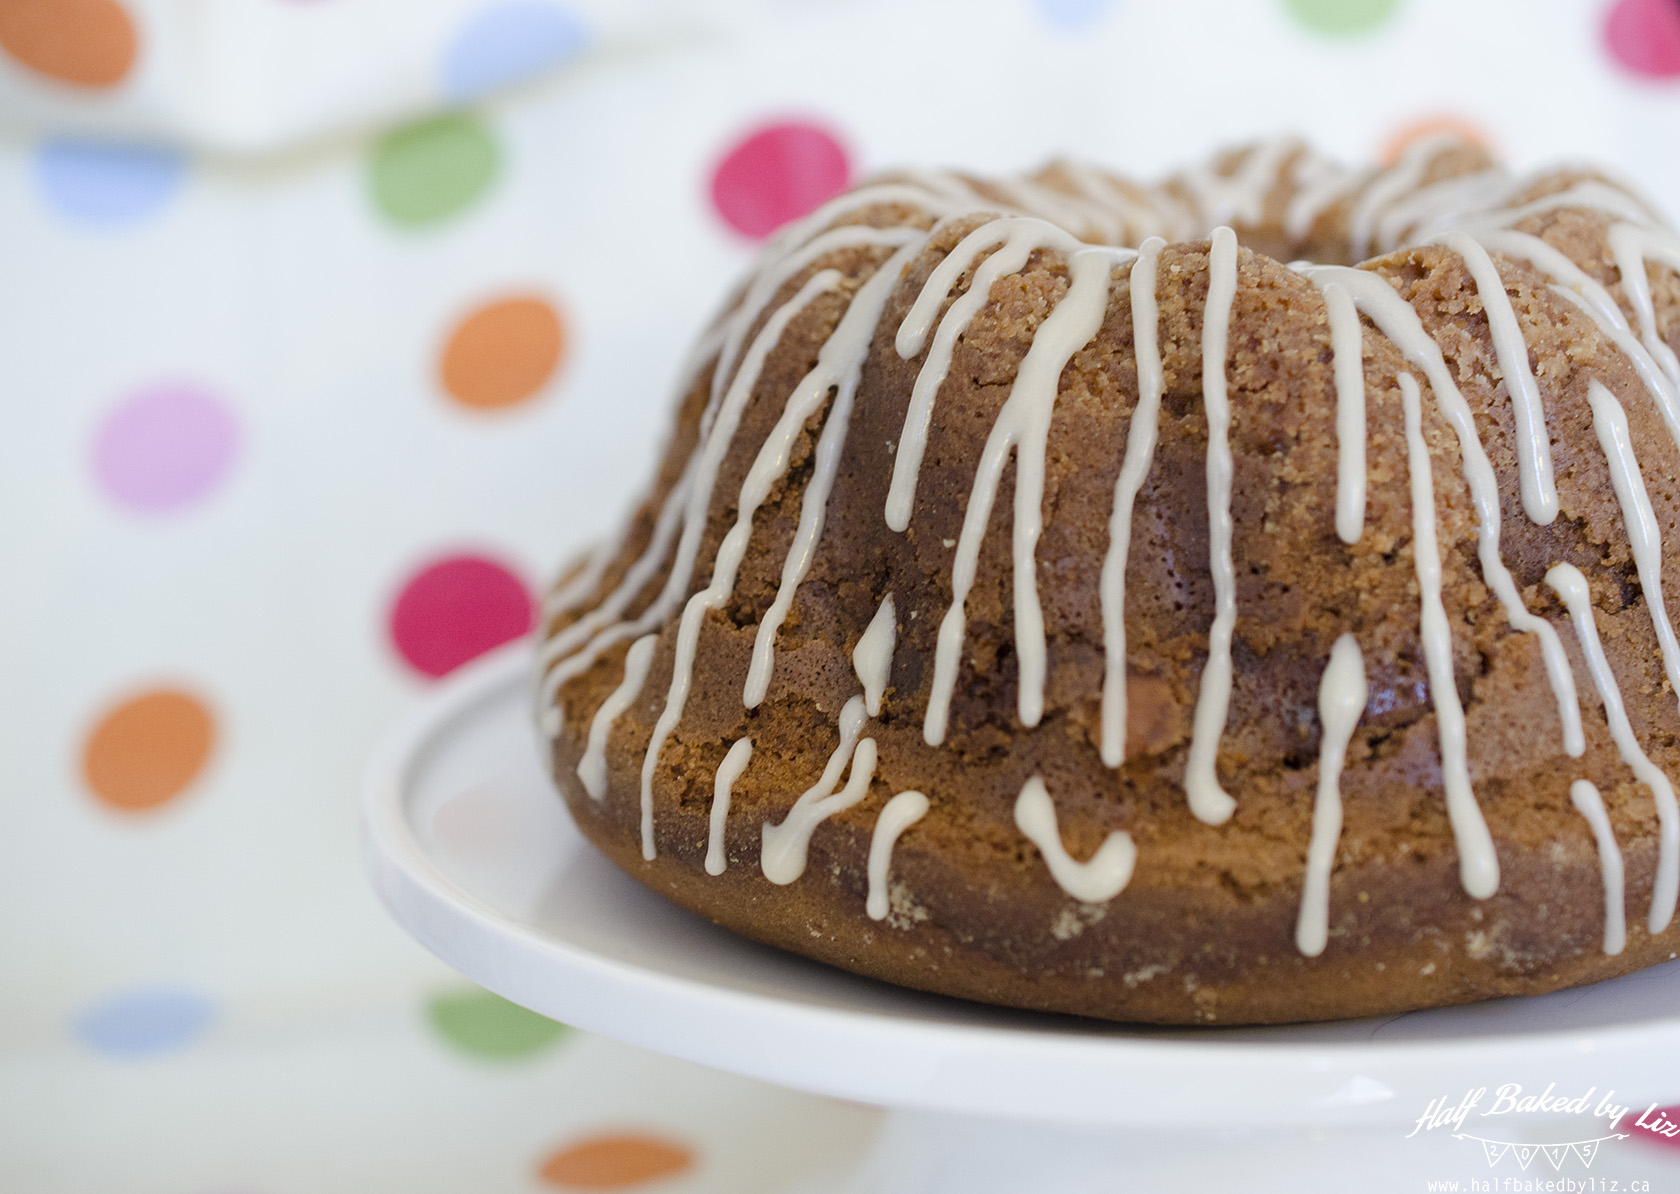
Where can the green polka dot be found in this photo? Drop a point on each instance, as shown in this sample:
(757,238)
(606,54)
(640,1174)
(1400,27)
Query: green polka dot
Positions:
(487,1025)
(1341,16)
(426,172)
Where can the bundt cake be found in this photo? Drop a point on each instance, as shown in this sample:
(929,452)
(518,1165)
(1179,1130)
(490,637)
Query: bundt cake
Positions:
(1314,664)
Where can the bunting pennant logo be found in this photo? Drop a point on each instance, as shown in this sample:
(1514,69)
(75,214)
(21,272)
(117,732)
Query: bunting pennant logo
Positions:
(1524,1153)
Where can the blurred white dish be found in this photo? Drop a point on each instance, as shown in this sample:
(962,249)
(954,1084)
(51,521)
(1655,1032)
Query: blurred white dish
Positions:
(475,855)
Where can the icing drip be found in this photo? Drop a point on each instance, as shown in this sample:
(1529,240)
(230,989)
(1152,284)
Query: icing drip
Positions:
(1321,184)
(1568,583)
(1098,879)
(840,368)
(711,455)
(723,784)
(686,504)
(1478,865)
(1347,347)
(1657,384)
(1140,452)
(1632,246)
(1639,520)
(572,594)
(1396,319)
(1019,238)
(901,812)
(1541,255)
(1240,196)
(872,657)
(1401,178)
(1208,801)
(1341,699)
(1590,805)
(592,768)
(785,845)
(1534,452)
(1022,427)
(1594,196)
(1427,206)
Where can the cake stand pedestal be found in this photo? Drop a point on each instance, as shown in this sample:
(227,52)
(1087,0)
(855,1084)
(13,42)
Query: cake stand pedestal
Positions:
(475,855)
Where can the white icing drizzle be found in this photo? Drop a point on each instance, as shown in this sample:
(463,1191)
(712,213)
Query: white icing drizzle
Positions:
(1657,384)
(1208,801)
(1427,206)
(901,812)
(1640,521)
(785,846)
(1140,452)
(1399,179)
(1022,427)
(723,784)
(1633,245)
(1589,194)
(592,768)
(685,506)
(1399,322)
(1478,865)
(1534,451)
(1240,196)
(840,368)
(711,454)
(1347,348)
(572,594)
(1584,796)
(1570,586)
(1387,207)
(1019,237)
(1544,257)
(1342,693)
(1322,184)
(872,657)
(1096,880)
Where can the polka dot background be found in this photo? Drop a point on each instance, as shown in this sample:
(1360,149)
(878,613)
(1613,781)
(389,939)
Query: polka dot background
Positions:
(312,386)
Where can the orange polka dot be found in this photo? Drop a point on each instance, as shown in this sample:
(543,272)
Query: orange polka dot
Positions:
(145,752)
(502,353)
(1409,134)
(614,1162)
(88,43)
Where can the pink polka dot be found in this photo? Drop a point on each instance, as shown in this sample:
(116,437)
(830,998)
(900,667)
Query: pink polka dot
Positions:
(165,447)
(1657,1117)
(1644,37)
(776,174)
(457,608)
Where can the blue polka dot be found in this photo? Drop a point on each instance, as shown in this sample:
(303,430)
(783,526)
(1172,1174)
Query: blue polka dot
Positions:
(108,183)
(1072,15)
(145,1022)
(509,42)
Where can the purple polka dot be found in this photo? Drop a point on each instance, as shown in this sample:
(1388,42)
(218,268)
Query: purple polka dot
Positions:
(145,1022)
(165,447)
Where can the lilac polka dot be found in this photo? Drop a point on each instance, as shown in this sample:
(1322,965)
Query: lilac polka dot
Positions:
(165,447)
(107,183)
(509,42)
(1073,15)
(141,1023)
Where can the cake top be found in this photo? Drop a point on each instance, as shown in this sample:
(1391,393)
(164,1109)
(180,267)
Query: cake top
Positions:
(1109,235)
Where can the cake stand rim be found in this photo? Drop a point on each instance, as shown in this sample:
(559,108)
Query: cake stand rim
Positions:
(850,1053)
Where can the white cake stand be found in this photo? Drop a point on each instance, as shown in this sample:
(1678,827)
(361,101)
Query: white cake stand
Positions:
(475,855)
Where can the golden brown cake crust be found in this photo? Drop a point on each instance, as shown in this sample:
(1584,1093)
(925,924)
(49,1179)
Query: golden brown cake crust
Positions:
(1205,929)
